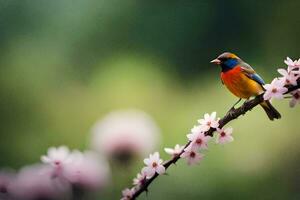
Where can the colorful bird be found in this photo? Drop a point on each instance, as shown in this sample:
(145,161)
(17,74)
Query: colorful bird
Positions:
(241,80)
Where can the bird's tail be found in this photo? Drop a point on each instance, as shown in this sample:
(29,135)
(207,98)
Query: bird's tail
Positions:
(270,110)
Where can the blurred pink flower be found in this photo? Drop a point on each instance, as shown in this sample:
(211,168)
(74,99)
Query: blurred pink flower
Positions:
(84,170)
(174,152)
(124,134)
(209,121)
(127,194)
(6,179)
(57,157)
(295,98)
(36,182)
(224,136)
(154,164)
(191,155)
(87,170)
(275,90)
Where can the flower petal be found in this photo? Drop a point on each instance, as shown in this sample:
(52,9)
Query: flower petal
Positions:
(160,169)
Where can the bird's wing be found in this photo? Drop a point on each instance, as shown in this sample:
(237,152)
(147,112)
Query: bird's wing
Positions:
(249,71)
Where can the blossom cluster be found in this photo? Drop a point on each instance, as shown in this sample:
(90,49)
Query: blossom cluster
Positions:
(154,164)
(198,140)
(83,169)
(290,77)
(61,172)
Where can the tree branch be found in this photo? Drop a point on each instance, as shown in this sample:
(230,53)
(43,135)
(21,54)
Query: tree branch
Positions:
(230,115)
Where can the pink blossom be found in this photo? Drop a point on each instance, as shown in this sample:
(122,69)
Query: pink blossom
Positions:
(174,152)
(198,129)
(293,66)
(275,90)
(295,98)
(198,139)
(288,77)
(209,121)
(127,194)
(37,182)
(290,62)
(6,180)
(140,178)
(125,133)
(224,136)
(56,157)
(191,155)
(154,164)
(87,170)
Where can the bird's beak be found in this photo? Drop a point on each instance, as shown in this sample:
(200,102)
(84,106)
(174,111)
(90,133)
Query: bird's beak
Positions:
(216,61)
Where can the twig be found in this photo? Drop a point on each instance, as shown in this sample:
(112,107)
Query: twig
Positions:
(230,115)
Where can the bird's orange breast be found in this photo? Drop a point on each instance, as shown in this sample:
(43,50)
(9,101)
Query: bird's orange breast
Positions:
(239,84)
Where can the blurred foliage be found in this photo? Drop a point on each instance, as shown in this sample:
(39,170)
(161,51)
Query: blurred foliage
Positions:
(65,63)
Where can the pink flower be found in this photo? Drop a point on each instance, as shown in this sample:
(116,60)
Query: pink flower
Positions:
(198,139)
(209,121)
(56,156)
(295,98)
(6,179)
(127,194)
(293,66)
(174,152)
(199,128)
(154,164)
(191,155)
(275,90)
(123,134)
(288,77)
(87,170)
(140,178)
(37,182)
(224,135)
(290,62)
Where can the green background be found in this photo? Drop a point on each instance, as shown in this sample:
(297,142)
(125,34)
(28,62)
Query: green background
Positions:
(65,64)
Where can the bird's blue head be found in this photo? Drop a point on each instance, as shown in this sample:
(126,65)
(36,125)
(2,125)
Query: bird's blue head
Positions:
(227,61)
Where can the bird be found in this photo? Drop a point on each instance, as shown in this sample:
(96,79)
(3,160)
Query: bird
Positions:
(242,81)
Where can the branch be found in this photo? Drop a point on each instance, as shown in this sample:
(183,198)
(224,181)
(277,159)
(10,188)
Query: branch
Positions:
(230,115)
